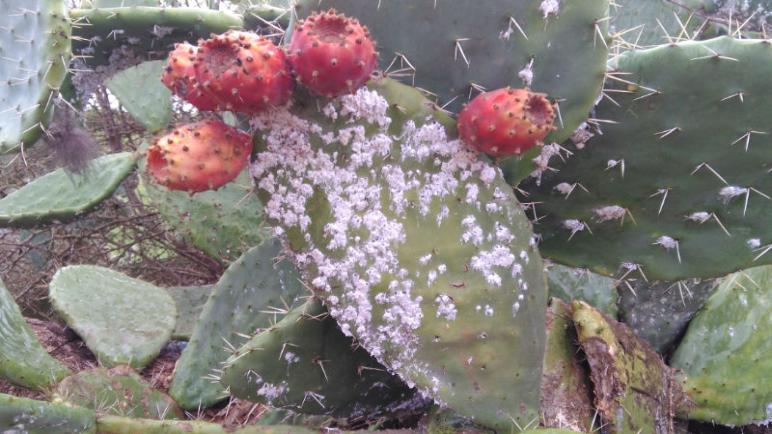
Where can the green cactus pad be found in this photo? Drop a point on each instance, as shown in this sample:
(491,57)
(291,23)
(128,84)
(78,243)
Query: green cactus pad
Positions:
(141,93)
(122,320)
(249,296)
(147,29)
(550,431)
(416,245)
(635,392)
(125,425)
(644,23)
(118,391)
(62,195)
(680,186)
(190,301)
(570,284)
(725,353)
(658,312)
(221,223)
(302,362)
(23,361)
(35,51)
(463,43)
(27,416)
(566,394)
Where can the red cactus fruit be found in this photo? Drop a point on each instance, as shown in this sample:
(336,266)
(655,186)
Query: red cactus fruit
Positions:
(506,121)
(180,77)
(243,72)
(201,156)
(332,54)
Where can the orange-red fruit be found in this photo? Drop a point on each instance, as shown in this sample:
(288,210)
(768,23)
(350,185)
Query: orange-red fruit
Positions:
(180,77)
(243,72)
(506,121)
(332,54)
(201,156)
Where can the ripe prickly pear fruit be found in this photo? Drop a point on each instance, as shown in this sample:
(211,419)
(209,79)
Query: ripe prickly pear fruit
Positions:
(201,156)
(180,77)
(243,72)
(506,121)
(332,54)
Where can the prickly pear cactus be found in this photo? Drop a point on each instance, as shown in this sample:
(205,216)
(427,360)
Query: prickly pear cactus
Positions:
(190,302)
(62,195)
(416,245)
(570,284)
(23,361)
(28,416)
(725,352)
(302,362)
(635,392)
(251,295)
(558,48)
(118,391)
(151,107)
(121,319)
(35,48)
(125,425)
(146,29)
(679,185)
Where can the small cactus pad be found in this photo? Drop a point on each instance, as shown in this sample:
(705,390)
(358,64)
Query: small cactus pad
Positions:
(122,320)
(190,301)
(306,364)
(680,185)
(28,416)
(570,284)
(221,223)
(65,195)
(361,187)
(658,312)
(148,29)
(251,294)
(35,50)
(118,391)
(557,48)
(635,392)
(566,393)
(141,93)
(126,425)
(725,354)
(23,361)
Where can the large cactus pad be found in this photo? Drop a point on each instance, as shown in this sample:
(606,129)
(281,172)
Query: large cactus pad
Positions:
(725,353)
(681,184)
(416,245)
(303,363)
(35,50)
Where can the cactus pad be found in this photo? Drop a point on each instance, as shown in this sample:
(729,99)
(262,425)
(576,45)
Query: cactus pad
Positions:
(28,416)
(146,29)
(221,223)
(566,394)
(118,391)
(658,312)
(303,362)
(151,106)
(64,195)
(725,353)
(251,295)
(635,392)
(570,284)
(190,301)
(23,361)
(362,186)
(122,320)
(35,51)
(679,187)
(560,51)
(126,425)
